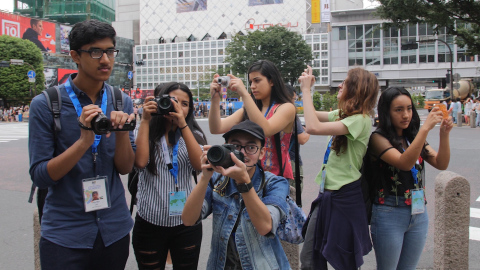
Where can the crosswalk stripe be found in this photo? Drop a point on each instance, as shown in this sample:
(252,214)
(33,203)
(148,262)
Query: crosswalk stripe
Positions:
(475,212)
(474,233)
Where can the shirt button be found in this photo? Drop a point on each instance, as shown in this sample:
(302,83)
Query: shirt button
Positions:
(230,216)
(222,238)
(236,197)
(98,219)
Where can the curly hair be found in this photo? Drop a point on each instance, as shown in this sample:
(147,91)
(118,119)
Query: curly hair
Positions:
(360,91)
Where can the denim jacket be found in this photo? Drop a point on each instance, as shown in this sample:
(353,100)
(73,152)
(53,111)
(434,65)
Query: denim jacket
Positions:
(256,251)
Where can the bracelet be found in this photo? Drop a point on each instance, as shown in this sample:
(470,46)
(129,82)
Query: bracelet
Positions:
(183,127)
(82,125)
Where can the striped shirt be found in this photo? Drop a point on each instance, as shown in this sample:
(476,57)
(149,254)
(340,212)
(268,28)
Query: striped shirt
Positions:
(152,195)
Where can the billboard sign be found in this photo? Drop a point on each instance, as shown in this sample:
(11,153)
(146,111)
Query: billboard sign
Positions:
(264,2)
(37,31)
(191,5)
(64,42)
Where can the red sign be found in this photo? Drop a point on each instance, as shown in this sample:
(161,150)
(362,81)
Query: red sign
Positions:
(63,74)
(40,32)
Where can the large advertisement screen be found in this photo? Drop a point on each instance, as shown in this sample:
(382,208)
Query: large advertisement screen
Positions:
(264,2)
(64,42)
(191,5)
(37,31)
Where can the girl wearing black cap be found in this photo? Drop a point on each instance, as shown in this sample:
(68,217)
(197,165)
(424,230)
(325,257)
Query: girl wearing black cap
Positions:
(269,105)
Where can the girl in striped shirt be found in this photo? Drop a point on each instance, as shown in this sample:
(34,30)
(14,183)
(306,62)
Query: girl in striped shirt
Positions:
(168,151)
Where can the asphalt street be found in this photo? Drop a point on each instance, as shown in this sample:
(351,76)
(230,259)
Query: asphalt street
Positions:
(16,219)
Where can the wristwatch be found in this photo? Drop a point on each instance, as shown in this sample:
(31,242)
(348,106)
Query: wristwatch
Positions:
(242,188)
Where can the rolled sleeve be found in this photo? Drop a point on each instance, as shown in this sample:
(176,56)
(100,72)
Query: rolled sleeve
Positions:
(276,215)
(41,142)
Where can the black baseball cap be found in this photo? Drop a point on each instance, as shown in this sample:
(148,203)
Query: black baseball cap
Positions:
(249,127)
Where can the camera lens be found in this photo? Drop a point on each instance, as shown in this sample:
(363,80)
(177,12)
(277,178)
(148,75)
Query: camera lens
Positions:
(165,102)
(216,154)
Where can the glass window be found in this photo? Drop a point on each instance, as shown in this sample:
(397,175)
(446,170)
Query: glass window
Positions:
(390,46)
(207,52)
(316,47)
(200,53)
(355,45)
(214,52)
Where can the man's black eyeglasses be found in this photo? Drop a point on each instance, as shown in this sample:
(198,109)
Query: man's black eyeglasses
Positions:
(249,149)
(98,53)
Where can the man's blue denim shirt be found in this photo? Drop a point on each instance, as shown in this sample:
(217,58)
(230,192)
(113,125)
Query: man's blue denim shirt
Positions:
(256,251)
(64,220)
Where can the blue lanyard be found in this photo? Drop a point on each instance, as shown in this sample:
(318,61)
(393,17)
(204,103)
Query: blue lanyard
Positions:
(171,164)
(174,169)
(327,152)
(413,170)
(271,105)
(79,108)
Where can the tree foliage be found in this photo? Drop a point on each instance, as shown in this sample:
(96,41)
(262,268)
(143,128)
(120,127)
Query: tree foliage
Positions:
(461,18)
(286,49)
(14,83)
(325,102)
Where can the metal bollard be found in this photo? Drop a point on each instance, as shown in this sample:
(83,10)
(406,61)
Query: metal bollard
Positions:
(452,219)
(459,119)
(473,116)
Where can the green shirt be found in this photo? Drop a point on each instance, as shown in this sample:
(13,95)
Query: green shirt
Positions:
(345,168)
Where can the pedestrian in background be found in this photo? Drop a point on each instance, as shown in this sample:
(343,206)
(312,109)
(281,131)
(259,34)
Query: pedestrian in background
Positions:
(140,111)
(456,107)
(302,139)
(477,111)
(468,106)
(398,150)
(338,219)
(168,151)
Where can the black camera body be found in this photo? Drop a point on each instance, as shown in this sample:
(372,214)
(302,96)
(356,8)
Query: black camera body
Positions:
(219,155)
(164,104)
(102,125)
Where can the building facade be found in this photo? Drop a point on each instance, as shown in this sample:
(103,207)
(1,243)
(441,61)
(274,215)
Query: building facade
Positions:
(359,39)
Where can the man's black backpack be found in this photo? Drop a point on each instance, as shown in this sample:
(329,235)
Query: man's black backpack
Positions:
(54,102)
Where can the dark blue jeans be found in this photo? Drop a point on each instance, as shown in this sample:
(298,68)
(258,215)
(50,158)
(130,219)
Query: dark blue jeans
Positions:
(151,244)
(56,257)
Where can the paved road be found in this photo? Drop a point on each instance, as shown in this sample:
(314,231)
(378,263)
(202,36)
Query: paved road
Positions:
(16,236)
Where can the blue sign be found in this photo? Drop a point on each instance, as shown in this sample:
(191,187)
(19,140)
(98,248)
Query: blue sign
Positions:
(31,74)
(130,75)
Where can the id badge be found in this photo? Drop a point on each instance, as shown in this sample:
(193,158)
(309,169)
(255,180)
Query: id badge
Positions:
(418,201)
(95,193)
(176,202)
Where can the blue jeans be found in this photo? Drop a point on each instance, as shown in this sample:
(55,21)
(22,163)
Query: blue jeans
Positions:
(398,236)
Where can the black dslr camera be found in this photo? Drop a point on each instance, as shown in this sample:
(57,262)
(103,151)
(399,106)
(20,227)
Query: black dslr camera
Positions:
(219,155)
(164,104)
(102,125)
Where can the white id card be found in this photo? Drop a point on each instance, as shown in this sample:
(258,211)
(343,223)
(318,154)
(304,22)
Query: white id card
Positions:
(95,193)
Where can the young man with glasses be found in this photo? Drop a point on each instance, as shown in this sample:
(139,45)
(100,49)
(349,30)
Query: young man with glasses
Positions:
(247,203)
(78,232)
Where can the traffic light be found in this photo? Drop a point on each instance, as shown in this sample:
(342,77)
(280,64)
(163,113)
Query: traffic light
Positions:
(447,78)
(412,45)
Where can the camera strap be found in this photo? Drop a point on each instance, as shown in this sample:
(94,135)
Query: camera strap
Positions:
(171,164)
(79,108)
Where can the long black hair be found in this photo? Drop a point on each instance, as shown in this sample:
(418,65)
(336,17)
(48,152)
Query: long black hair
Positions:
(385,126)
(279,92)
(158,127)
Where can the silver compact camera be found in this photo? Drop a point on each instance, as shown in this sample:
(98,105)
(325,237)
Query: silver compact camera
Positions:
(223,81)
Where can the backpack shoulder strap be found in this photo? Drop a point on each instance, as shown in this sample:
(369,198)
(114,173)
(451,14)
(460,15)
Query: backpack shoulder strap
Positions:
(54,102)
(117,97)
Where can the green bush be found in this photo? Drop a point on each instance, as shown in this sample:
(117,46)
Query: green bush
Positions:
(418,101)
